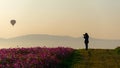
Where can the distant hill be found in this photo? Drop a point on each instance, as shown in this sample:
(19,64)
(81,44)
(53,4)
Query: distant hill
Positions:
(34,40)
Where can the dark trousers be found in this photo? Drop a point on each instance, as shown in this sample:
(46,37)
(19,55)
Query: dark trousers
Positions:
(86,46)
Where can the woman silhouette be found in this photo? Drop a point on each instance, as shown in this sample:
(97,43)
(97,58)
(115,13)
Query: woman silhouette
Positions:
(86,37)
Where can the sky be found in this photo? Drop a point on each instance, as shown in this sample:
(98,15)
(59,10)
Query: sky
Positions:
(99,18)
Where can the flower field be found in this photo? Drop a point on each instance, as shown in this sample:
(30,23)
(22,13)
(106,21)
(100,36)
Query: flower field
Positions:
(36,57)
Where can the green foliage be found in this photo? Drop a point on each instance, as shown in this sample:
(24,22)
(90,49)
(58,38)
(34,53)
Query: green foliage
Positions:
(117,50)
(96,58)
(73,59)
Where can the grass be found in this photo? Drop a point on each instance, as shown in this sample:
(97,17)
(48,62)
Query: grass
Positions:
(94,58)
(79,58)
(71,60)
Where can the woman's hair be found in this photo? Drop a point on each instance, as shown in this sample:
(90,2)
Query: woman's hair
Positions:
(86,33)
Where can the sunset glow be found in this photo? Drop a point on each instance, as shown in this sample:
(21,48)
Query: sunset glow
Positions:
(100,18)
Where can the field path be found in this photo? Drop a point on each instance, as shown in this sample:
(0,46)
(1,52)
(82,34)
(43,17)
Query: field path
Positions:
(97,58)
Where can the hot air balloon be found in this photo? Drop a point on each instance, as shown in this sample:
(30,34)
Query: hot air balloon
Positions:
(13,22)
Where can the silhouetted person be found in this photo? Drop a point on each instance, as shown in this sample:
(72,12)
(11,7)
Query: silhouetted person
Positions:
(86,37)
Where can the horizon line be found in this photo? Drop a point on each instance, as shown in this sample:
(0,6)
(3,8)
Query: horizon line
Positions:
(54,35)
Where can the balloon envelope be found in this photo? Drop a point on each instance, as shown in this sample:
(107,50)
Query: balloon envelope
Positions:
(13,22)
